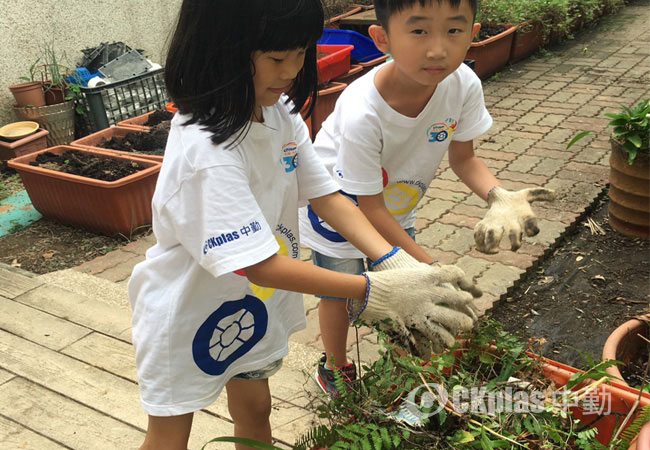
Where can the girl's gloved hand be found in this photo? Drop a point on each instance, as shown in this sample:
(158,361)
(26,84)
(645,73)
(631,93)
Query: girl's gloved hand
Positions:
(426,314)
(510,214)
(395,259)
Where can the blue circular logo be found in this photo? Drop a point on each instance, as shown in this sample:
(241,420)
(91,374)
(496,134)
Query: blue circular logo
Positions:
(229,333)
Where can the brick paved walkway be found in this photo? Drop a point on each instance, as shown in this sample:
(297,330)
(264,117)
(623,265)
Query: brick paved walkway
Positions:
(80,371)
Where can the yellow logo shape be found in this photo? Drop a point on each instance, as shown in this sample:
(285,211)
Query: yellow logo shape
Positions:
(400,198)
(265,292)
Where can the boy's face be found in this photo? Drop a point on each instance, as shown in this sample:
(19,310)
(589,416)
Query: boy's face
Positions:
(428,42)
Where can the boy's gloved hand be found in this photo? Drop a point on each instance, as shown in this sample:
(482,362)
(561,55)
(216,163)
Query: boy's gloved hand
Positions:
(510,214)
(418,303)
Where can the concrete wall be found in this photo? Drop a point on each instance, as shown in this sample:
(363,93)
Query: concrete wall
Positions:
(72,25)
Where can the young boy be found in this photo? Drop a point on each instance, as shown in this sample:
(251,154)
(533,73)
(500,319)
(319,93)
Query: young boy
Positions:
(386,137)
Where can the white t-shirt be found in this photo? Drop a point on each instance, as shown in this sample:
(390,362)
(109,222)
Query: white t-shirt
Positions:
(216,210)
(368,147)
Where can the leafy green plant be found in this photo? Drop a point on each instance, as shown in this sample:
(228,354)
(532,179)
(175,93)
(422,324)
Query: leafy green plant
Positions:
(631,129)
(33,69)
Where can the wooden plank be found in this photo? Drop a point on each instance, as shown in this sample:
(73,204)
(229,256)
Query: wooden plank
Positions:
(367,17)
(105,392)
(37,326)
(15,436)
(15,282)
(105,353)
(62,419)
(79,309)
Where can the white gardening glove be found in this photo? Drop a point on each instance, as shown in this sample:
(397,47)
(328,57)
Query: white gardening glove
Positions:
(417,303)
(395,259)
(509,214)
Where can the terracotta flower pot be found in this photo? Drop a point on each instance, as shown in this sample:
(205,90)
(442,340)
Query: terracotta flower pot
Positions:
(29,93)
(526,41)
(491,54)
(624,345)
(107,207)
(54,95)
(629,192)
(325,104)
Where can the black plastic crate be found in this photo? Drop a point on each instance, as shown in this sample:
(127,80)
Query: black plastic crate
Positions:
(106,105)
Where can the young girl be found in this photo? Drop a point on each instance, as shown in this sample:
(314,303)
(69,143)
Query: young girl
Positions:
(217,297)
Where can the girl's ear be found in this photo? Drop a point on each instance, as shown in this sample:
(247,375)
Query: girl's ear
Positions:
(379,37)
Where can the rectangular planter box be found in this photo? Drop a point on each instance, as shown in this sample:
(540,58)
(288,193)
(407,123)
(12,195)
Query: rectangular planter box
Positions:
(527,40)
(107,207)
(92,140)
(491,54)
(24,146)
(137,122)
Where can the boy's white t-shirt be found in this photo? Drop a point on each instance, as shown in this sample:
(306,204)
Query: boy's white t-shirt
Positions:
(368,147)
(197,323)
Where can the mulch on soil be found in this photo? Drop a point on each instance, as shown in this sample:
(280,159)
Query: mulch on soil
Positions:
(150,142)
(592,282)
(87,165)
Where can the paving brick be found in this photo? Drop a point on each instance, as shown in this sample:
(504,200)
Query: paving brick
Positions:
(548,166)
(461,241)
(442,256)
(434,234)
(523,163)
(506,256)
(600,178)
(548,232)
(541,149)
(121,271)
(455,186)
(497,277)
(444,194)
(459,219)
(104,262)
(522,177)
(421,224)
(560,135)
(140,246)
(473,267)
(522,135)
(434,209)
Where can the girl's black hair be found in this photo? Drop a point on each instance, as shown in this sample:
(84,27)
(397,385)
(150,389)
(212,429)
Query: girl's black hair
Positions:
(208,71)
(386,8)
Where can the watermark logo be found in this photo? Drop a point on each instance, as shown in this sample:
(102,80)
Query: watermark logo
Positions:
(429,399)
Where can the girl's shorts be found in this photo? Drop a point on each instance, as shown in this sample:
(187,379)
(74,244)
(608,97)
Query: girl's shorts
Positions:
(263,373)
(354,266)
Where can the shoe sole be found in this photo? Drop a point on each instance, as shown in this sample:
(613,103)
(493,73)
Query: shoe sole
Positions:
(320,383)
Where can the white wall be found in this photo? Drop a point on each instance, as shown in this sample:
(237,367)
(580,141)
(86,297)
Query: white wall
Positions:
(72,25)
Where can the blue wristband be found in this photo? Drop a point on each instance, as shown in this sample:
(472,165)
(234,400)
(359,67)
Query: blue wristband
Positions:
(491,189)
(386,256)
(365,301)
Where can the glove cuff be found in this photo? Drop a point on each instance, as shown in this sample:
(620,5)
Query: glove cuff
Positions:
(355,307)
(383,258)
(397,258)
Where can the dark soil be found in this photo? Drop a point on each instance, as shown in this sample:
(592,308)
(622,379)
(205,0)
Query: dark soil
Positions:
(488,31)
(87,165)
(158,116)
(148,142)
(591,283)
(46,246)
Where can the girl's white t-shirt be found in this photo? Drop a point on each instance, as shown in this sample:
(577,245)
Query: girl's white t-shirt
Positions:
(368,147)
(196,322)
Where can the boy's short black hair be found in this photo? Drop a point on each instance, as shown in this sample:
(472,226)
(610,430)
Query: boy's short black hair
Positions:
(208,71)
(386,8)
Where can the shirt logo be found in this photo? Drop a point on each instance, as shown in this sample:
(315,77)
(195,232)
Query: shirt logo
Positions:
(290,156)
(224,238)
(439,132)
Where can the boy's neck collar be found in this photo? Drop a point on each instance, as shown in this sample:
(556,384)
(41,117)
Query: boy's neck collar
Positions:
(406,98)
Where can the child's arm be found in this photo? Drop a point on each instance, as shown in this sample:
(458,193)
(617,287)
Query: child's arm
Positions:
(374,208)
(471,170)
(509,213)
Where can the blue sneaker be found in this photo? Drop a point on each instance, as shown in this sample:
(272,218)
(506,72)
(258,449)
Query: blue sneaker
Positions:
(325,376)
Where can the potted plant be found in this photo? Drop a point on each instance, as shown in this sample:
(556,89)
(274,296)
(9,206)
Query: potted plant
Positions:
(490,49)
(627,344)
(491,391)
(90,189)
(629,178)
(30,91)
